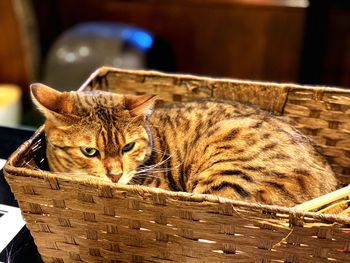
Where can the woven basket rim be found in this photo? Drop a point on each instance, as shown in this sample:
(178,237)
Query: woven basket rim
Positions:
(11,169)
(105,70)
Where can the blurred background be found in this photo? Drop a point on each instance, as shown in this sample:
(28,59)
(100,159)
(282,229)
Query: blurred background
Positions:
(61,42)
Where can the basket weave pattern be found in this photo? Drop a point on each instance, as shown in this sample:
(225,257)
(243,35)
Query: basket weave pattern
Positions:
(74,219)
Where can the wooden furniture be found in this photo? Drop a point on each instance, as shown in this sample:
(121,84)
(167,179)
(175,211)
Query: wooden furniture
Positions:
(12,66)
(241,39)
(326,56)
(270,40)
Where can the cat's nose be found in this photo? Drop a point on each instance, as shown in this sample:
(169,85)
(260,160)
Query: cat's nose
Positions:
(115,177)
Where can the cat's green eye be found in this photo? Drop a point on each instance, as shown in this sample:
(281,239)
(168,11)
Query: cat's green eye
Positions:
(89,152)
(128,147)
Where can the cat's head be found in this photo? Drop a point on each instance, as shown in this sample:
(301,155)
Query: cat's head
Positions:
(94,132)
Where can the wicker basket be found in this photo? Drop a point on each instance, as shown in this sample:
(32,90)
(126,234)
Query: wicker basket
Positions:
(77,220)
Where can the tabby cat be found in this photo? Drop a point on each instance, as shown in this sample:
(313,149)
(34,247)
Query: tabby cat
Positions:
(209,146)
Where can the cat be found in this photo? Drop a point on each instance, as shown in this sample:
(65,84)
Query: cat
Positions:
(208,146)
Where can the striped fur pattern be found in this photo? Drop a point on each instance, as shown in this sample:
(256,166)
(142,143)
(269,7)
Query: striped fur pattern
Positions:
(209,146)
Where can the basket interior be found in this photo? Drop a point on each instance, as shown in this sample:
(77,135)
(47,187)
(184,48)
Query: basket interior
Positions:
(75,220)
(321,113)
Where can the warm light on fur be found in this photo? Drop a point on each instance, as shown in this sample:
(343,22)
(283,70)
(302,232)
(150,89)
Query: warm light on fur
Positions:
(213,147)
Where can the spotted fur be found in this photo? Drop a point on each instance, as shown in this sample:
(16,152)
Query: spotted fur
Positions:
(209,146)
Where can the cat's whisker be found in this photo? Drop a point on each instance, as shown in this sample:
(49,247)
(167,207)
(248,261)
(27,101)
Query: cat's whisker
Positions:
(135,179)
(159,151)
(36,147)
(154,171)
(158,170)
(28,165)
(149,167)
(149,173)
(169,156)
(146,175)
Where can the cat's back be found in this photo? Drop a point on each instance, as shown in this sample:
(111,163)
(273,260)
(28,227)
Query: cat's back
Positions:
(239,151)
(191,119)
(201,113)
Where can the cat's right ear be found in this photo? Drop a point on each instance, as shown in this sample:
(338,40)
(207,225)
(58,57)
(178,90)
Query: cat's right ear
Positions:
(140,105)
(55,105)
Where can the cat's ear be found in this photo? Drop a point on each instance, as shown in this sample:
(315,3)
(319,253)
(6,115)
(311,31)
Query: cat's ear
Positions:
(140,105)
(54,104)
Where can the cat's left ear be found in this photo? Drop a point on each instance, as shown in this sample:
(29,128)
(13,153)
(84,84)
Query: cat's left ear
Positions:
(140,105)
(55,105)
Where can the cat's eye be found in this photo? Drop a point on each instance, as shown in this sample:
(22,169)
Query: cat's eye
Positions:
(89,152)
(128,147)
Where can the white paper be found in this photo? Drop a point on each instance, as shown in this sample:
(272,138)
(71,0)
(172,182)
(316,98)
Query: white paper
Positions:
(11,222)
(2,163)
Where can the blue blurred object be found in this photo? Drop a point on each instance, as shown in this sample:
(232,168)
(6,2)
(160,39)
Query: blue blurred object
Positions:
(85,47)
(136,36)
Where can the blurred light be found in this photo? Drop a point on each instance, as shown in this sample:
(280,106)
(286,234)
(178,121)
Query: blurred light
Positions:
(126,33)
(117,62)
(84,51)
(143,39)
(138,37)
(70,57)
(61,53)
